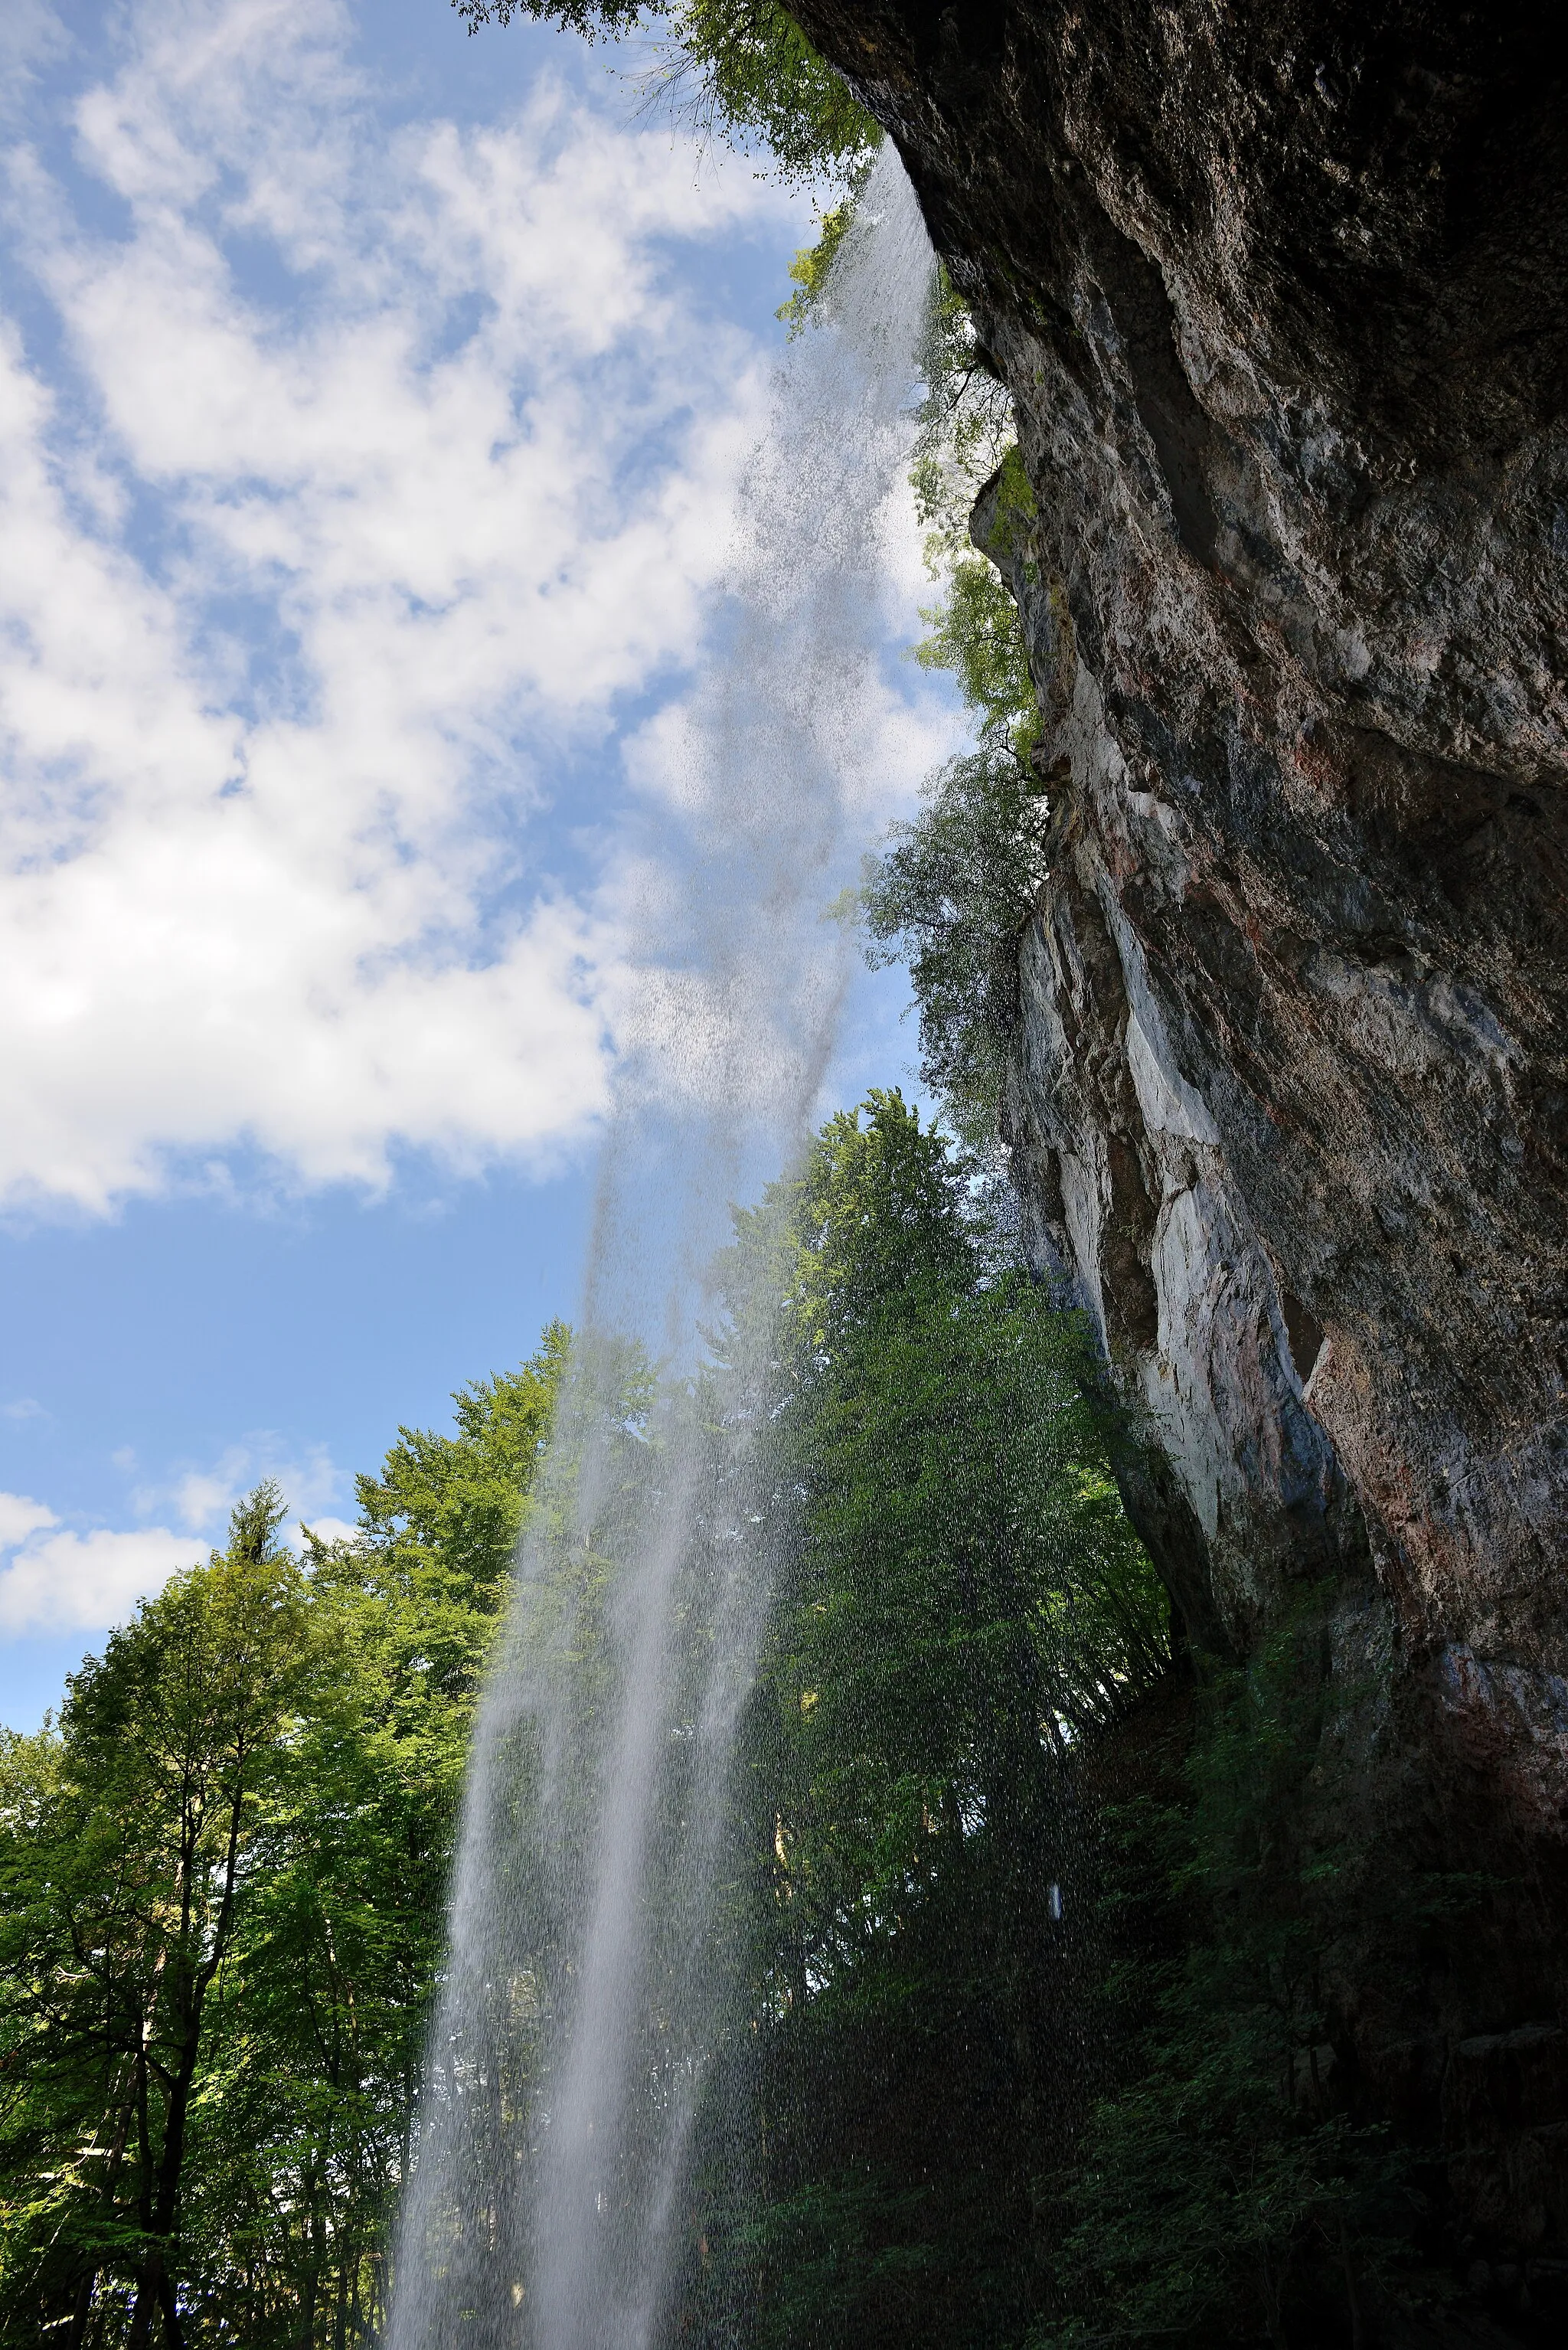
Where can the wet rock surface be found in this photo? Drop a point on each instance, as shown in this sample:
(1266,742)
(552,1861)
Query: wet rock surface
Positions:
(1279,290)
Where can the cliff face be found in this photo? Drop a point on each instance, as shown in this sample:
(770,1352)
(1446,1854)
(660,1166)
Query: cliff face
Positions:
(1279,288)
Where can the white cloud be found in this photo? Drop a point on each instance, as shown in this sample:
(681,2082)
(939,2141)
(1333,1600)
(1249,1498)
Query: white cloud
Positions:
(314,570)
(84,1581)
(20,1517)
(326,1530)
(30,35)
(201,1497)
(62,1580)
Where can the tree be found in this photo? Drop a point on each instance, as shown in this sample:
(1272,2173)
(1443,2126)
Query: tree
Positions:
(1226,2189)
(222,1883)
(740,70)
(954,890)
(320,2111)
(966,1605)
(126,1877)
(950,896)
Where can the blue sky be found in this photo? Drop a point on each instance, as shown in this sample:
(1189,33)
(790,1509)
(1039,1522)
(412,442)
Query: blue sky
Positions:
(372,401)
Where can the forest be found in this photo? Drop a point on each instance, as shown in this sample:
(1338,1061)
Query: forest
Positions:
(1031,2047)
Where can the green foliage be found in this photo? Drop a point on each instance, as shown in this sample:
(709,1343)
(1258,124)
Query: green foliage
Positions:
(440,1523)
(965,441)
(963,1600)
(975,634)
(222,1902)
(743,70)
(953,892)
(591,18)
(950,896)
(965,424)
(740,70)
(967,1592)
(130,1838)
(1216,2211)
(1228,2189)
(810,267)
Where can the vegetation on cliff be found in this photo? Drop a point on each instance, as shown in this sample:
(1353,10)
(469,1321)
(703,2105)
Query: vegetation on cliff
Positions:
(738,70)
(954,888)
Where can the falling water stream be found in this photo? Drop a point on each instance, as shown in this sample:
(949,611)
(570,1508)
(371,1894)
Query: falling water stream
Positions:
(589,1968)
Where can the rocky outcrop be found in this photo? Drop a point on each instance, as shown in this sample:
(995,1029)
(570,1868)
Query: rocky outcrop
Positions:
(1279,288)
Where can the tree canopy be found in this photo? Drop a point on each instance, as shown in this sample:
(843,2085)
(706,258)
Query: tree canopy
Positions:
(965,1601)
(222,1876)
(738,70)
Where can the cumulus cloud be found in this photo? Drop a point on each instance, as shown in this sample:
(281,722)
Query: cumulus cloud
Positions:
(54,1578)
(19,1517)
(375,468)
(61,1581)
(201,1497)
(325,1529)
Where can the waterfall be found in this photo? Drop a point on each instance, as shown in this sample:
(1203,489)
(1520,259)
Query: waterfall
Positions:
(589,1964)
